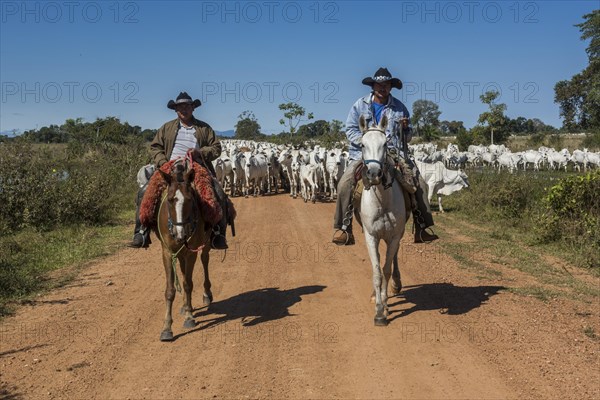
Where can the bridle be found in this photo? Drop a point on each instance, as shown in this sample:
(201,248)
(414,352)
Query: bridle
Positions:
(383,166)
(190,220)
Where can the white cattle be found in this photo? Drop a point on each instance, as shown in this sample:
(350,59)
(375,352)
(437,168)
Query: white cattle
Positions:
(594,159)
(441,180)
(473,159)
(285,161)
(272,168)
(532,157)
(319,157)
(456,159)
(239,171)
(295,168)
(332,167)
(256,171)
(489,159)
(308,181)
(580,158)
(435,156)
(224,171)
(558,160)
(505,160)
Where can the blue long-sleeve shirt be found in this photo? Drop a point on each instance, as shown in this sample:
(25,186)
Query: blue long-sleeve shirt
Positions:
(395,110)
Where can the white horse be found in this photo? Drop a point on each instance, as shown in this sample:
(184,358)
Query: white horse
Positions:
(382,214)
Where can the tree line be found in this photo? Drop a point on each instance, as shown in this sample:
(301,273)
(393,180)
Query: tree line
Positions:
(102,130)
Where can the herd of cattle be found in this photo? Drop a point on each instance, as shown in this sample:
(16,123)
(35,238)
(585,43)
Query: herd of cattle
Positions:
(500,157)
(249,167)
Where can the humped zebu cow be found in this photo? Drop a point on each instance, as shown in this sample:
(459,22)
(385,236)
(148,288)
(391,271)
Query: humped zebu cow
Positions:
(441,180)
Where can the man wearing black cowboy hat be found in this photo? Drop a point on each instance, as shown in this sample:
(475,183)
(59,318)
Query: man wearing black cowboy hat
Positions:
(172,141)
(399,132)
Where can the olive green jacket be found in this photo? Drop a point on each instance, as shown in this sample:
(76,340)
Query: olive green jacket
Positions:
(164,141)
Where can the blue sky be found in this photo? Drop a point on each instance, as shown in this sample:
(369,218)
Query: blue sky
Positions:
(94,59)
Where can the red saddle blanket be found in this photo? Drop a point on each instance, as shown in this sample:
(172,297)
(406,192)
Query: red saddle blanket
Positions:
(209,205)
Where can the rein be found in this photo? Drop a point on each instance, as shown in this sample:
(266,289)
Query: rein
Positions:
(184,245)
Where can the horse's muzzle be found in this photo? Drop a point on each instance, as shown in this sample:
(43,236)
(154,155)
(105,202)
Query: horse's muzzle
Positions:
(374,175)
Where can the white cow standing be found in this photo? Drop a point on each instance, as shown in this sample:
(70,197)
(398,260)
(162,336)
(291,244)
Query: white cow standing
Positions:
(308,182)
(239,172)
(332,167)
(256,171)
(580,158)
(558,159)
(441,180)
(224,171)
(532,157)
(594,159)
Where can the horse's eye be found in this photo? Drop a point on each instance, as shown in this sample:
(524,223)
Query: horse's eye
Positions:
(170,199)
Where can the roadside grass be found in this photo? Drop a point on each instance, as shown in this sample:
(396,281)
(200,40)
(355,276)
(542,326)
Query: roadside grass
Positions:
(64,205)
(462,253)
(33,262)
(488,247)
(539,292)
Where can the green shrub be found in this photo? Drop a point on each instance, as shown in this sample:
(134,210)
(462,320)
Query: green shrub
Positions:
(571,213)
(492,196)
(43,187)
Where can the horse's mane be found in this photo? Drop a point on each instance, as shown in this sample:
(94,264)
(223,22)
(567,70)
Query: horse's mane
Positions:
(210,208)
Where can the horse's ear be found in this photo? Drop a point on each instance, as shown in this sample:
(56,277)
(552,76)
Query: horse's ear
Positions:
(383,123)
(362,124)
(189,175)
(166,177)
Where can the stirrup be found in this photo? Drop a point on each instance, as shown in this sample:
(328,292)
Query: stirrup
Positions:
(348,233)
(430,234)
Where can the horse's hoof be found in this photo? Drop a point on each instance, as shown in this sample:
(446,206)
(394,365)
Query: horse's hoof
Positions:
(381,321)
(396,289)
(189,323)
(166,336)
(207,299)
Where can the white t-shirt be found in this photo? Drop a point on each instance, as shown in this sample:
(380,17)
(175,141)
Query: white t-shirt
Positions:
(185,140)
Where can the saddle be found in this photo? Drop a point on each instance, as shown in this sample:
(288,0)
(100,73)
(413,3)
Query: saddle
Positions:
(211,209)
(402,173)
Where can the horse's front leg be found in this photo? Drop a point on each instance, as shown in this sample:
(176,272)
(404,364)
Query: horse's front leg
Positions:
(187,262)
(390,255)
(207,298)
(167,334)
(373,248)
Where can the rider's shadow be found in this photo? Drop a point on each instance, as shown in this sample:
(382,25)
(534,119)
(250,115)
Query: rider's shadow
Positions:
(445,297)
(252,308)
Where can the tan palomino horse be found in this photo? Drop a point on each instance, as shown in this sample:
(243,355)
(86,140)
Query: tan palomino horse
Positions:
(183,234)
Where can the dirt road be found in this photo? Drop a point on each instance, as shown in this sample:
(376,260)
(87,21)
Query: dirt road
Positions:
(292,319)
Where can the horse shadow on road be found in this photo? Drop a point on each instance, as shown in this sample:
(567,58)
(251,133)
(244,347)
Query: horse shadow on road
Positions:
(253,307)
(446,297)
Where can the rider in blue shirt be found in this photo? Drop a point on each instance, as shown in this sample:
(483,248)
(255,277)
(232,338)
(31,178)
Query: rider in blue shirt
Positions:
(399,132)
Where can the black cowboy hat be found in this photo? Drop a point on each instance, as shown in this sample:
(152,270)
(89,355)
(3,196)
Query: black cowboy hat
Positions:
(183,98)
(382,75)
